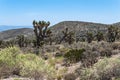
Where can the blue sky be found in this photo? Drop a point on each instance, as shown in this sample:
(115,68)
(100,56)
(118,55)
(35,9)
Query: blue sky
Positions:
(23,12)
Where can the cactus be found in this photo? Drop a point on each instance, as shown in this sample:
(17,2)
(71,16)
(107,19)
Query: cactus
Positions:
(41,31)
(112,33)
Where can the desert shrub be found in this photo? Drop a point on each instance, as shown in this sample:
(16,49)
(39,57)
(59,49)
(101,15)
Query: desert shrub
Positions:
(104,69)
(26,65)
(114,52)
(61,73)
(99,36)
(89,37)
(8,62)
(115,45)
(70,76)
(89,58)
(74,55)
(106,52)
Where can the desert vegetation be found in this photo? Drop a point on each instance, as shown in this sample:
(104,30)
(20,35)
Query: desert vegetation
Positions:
(95,56)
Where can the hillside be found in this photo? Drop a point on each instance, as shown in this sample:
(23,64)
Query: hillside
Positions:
(8,34)
(78,27)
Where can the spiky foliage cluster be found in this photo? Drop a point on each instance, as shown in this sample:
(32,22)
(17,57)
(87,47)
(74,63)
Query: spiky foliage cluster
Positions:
(68,36)
(4,44)
(41,31)
(113,33)
(89,37)
(99,36)
(10,43)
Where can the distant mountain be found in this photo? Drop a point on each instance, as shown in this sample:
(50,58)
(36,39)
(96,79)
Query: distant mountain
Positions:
(78,27)
(117,24)
(6,27)
(10,34)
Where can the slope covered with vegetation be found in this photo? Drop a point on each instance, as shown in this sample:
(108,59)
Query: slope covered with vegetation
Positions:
(95,56)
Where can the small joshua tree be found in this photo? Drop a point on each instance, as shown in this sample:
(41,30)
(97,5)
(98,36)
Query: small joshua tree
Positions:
(113,32)
(67,36)
(89,37)
(70,39)
(99,36)
(41,31)
(22,41)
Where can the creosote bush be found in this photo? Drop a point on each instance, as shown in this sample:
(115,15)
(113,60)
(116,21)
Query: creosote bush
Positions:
(73,56)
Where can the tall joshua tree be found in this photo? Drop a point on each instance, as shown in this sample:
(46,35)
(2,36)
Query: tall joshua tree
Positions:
(41,31)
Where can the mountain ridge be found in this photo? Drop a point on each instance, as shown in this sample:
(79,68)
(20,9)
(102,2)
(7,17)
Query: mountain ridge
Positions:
(79,27)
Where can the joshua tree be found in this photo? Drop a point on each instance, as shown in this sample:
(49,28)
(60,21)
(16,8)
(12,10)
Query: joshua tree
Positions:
(22,41)
(99,36)
(70,39)
(67,36)
(41,31)
(89,37)
(113,32)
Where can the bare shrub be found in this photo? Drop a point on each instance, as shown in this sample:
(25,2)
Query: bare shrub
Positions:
(104,69)
(70,76)
(89,58)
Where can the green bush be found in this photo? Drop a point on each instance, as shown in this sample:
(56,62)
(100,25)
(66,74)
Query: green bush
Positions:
(26,65)
(8,63)
(74,55)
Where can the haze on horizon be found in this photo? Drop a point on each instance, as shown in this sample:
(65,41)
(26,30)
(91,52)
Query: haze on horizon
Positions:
(23,12)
